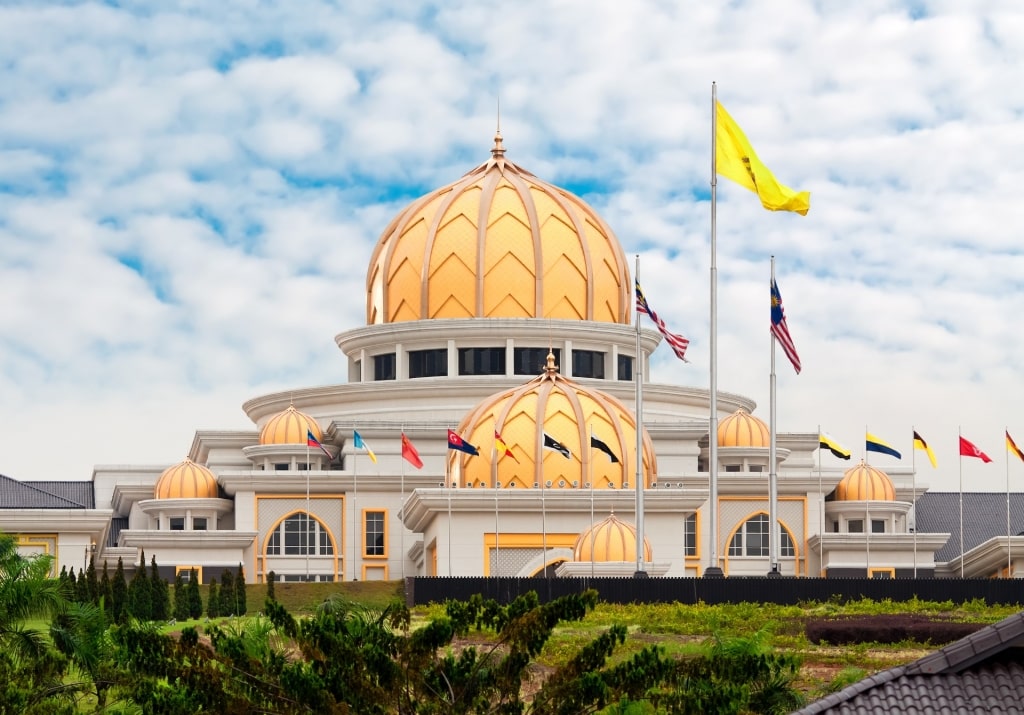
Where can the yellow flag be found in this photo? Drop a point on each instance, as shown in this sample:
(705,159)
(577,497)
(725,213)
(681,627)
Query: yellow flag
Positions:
(735,159)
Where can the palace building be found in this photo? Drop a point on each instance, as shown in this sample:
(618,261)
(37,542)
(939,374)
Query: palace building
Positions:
(499,307)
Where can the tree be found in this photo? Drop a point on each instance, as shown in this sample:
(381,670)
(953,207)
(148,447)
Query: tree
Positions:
(213,600)
(180,598)
(31,673)
(227,594)
(140,599)
(82,588)
(271,578)
(240,598)
(195,600)
(159,596)
(119,594)
(92,583)
(106,592)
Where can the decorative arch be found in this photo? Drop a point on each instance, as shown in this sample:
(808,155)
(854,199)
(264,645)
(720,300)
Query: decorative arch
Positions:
(295,512)
(784,533)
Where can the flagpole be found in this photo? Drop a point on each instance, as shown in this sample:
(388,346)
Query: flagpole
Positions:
(308,515)
(639,486)
(713,568)
(821,511)
(355,515)
(913,468)
(867,526)
(961,458)
(592,535)
(494,471)
(1009,559)
(448,484)
(401,521)
(773,477)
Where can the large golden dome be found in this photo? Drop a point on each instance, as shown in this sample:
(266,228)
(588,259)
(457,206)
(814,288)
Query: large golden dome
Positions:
(498,243)
(186,480)
(611,540)
(865,483)
(290,427)
(742,429)
(567,412)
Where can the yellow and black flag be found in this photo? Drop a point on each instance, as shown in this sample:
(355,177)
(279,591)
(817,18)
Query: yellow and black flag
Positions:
(832,446)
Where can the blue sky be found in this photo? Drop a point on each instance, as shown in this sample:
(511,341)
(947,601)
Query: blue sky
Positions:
(189,197)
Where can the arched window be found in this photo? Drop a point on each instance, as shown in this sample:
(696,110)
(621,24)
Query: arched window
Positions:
(751,539)
(299,535)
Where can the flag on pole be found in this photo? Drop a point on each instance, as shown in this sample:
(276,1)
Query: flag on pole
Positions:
(832,446)
(677,342)
(552,443)
(457,443)
(919,443)
(1012,447)
(409,453)
(967,449)
(598,444)
(358,443)
(781,330)
(312,441)
(874,444)
(735,159)
(502,448)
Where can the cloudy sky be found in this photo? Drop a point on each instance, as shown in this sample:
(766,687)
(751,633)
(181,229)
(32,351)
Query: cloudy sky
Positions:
(189,197)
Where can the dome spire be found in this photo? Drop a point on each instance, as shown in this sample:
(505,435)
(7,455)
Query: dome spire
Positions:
(498,151)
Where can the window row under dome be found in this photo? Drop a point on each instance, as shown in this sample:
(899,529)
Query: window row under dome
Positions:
(470,361)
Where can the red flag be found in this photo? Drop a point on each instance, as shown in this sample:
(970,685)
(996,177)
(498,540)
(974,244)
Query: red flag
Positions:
(969,450)
(1011,446)
(501,448)
(409,453)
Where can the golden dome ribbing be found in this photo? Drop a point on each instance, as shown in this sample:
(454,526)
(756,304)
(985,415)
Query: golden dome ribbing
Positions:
(186,480)
(865,483)
(742,429)
(611,540)
(568,412)
(498,243)
(290,427)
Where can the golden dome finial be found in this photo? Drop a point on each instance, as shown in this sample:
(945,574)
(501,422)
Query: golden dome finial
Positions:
(498,151)
(551,368)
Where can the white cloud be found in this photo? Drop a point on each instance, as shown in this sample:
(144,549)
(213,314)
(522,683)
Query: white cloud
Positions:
(189,197)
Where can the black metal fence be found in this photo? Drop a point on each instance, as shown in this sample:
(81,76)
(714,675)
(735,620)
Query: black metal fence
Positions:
(786,591)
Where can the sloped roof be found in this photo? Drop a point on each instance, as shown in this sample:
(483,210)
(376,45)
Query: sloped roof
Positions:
(984,517)
(116,524)
(15,494)
(983,672)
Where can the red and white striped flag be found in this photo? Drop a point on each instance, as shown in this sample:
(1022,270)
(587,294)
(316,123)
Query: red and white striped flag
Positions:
(780,330)
(677,342)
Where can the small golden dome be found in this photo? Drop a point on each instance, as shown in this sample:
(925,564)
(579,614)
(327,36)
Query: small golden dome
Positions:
(186,480)
(569,413)
(742,429)
(612,540)
(865,483)
(289,427)
(498,243)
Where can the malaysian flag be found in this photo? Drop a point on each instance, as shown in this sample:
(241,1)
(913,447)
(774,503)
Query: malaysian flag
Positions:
(780,330)
(677,342)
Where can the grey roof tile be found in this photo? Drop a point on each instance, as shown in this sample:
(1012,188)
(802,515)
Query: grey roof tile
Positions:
(16,494)
(983,672)
(984,517)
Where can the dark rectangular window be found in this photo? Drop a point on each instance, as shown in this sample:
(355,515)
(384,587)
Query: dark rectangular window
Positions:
(855,526)
(732,467)
(531,361)
(588,363)
(374,533)
(199,523)
(481,361)
(878,526)
(384,367)
(625,367)
(177,523)
(428,363)
(690,535)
